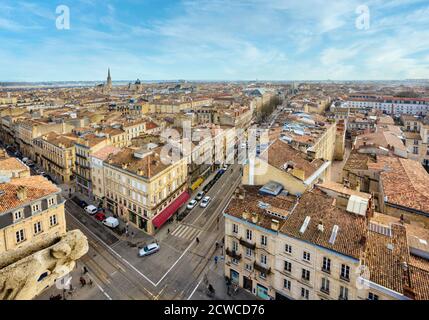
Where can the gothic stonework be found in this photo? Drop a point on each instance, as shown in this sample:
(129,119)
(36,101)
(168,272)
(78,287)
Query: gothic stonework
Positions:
(28,277)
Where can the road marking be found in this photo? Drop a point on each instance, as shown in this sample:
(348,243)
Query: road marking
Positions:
(113,251)
(174,264)
(186,232)
(195,289)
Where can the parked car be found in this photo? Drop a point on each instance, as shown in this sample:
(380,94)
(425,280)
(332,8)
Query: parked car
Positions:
(205,202)
(25,160)
(91,209)
(111,222)
(100,216)
(199,196)
(191,205)
(149,249)
(83,204)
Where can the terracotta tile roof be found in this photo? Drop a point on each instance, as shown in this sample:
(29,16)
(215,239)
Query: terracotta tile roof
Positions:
(341,189)
(11,164)
(280,152)
(103,153)
(151,125)
(37,187)
(150,165)
(321,208)
(358,161)
(405,182)
(384,257)
(249,200)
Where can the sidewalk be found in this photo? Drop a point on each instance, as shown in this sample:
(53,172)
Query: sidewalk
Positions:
(76,291)
(215,276)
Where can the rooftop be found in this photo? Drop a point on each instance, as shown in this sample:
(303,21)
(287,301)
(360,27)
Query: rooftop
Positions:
(37,187)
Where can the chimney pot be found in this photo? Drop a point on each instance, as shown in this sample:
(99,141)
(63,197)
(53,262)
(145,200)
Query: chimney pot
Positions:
(21,193)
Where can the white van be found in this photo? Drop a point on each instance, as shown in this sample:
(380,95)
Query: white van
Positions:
(111,222)
(91,209)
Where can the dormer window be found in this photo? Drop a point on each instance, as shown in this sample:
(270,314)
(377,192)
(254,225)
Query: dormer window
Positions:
(52,201)
(18,215)
(35,208)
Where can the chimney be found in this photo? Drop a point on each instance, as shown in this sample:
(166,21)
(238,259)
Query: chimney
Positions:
(21,193)
(245,215)
(320,226)
(254,217)
(275,225)
(124,165)
(140,172)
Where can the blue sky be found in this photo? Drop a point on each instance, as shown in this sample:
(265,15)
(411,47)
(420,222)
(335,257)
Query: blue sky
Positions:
(214,40)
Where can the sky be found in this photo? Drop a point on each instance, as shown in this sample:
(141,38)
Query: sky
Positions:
(214,40)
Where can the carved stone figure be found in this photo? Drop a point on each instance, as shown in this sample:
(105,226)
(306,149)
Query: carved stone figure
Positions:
(28,277)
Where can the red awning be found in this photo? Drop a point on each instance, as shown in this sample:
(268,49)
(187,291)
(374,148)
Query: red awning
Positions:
(162,217)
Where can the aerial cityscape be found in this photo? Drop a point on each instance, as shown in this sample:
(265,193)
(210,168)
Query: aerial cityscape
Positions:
(240,151)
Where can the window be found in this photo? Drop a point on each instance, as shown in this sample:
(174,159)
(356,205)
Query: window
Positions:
(305,293)
(249,234)
(37,227)
(286,284)
(51,201)
(20,236)
(234,261)
(344,293)
(326,266)
(288,248)
(372,296)
(305,275)
(53,220)
(345,272)
(248,267)
(288,266)
(264,240)
(306,256)
(416,150)
(325,285)
(263,259)
(262,275)
(235,228)
(18,215)
(35,208)
(249,252)
(234,246)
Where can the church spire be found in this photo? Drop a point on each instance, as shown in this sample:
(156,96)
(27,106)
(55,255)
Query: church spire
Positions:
(109,80)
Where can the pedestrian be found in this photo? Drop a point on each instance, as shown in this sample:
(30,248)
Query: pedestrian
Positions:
(215,259)
(82,282)
(168,230)
(90,282)
(198,240)
(216,244)
(85,270)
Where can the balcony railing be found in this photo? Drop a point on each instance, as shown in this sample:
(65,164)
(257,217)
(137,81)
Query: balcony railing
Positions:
(247,244)
(233,254)
(261,268)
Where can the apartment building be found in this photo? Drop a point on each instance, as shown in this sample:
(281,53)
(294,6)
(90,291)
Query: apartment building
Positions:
(307,248)
(31,209)
(27,131)
(134,128)
(55,153)
(84,146)
(11,167)
(391,105)
(290,167)
(143,187)
(97,172)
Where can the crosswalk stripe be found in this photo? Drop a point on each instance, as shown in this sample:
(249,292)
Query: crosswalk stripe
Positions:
(177,230)
(186,232)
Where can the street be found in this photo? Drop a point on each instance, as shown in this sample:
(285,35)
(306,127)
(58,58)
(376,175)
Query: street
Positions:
(176,271)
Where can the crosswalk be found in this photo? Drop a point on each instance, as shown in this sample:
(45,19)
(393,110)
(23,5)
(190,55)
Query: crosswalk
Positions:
(186,232)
